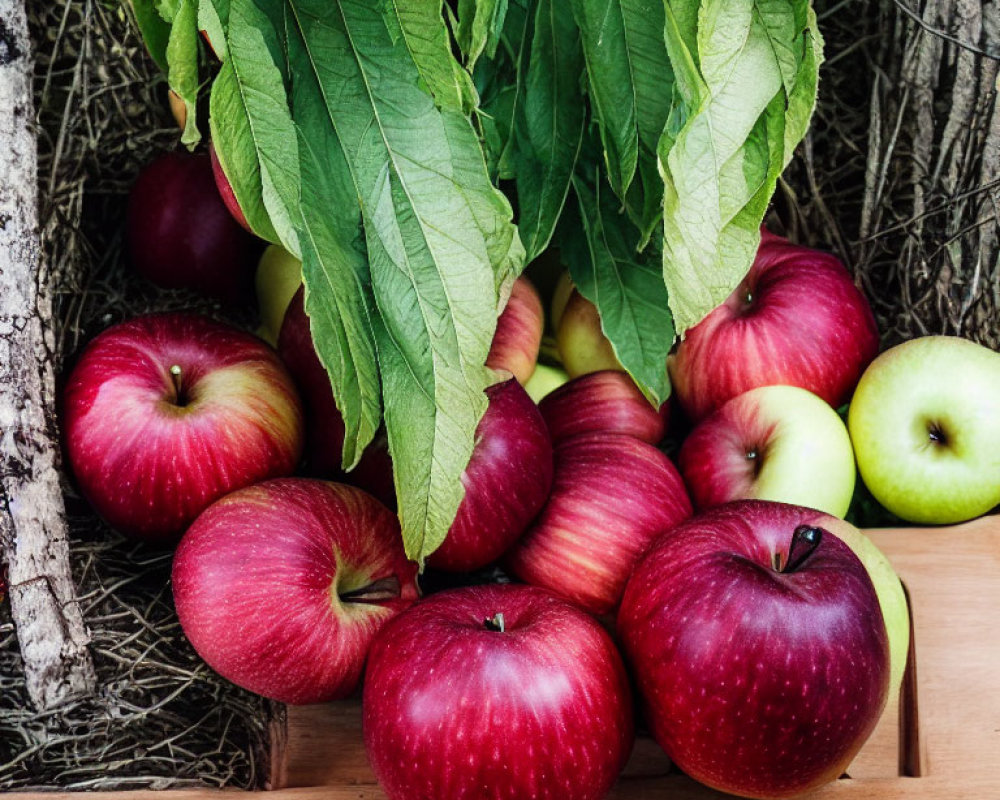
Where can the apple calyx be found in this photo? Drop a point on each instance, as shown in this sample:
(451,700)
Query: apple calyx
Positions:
(936,434)
(374,593)
(805,540)
(495,623)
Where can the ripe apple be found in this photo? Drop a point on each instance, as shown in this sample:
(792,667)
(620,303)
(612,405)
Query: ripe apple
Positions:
(163,414)
(560,296)
(506,482)
(278,278)
(601,401)
(282,586)
(796,318)
(179,234)
(611,495)
(583,347)
(519,332)
(498,691)
(758,647)
(225,190)
(771,443)
(925,422)
(543,380)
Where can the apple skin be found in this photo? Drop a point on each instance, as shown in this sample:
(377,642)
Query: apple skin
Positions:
(507,481)
(150,458)
(796,318)
(541,710)
(225,190)
(611,495)
(278,278)
(606,401)
(926,429)
(756,682)
(324,439)
(544,380)
(263,579)
(582,345)
(560,296)
(179,235)
(519,332)
(771,443)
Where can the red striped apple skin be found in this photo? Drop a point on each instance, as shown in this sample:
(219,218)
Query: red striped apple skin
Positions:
(506,482)
(259,577)
(607,401)
(226,191)
(454,710)
(149,460)
(757,682)
(519,332)
(796,319)
(611,495)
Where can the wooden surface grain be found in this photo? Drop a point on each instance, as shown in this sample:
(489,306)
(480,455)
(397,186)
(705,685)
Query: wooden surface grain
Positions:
(952,577)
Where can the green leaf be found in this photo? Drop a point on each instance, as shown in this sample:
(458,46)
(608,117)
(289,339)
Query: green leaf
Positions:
(213,19)
(479,26)
(626,286)
(182,65)
(154,28)
(629,79)
(729,135)
(439,240)
(252,128)
(549,124)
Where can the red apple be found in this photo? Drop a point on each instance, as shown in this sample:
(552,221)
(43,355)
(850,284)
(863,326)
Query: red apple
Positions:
(771,443)
(797,319)
(225,189)
(611,495)
(179,234)
(324,439)
(282,586)
(606,401)
(519,332)
(499,691)
(758,647)
(163,414)
(506,482)
(583,347)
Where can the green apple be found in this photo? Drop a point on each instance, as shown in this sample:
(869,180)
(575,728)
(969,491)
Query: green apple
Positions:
(560,296)
(778,443)
(279,275)
(543,380)
(925,424)
(583,347)
(890,593)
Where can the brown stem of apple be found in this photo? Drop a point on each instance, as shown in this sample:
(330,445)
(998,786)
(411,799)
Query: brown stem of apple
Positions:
(805,540)
(375,592)
(176,377)
(495,623)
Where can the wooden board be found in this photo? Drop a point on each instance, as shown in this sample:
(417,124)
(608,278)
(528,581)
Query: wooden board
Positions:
(940,741)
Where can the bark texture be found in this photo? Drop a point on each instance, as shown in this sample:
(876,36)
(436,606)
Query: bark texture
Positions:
(50,629)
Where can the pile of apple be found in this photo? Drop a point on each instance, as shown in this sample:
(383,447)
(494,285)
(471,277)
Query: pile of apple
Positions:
(762,633)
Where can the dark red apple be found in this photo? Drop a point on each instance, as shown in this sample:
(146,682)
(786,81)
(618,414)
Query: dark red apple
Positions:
(506,482)
(611,495)
(163,414)
(606,401)
(499,691)
(179,234)
(519,332)
(759,649)
(324,440)
(282,586)
(796,319)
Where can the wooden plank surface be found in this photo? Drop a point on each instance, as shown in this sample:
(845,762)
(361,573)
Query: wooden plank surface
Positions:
(953,579)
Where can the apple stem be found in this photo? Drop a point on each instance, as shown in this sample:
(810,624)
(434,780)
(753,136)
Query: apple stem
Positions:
(175,375)
(805,540)
(379,591)
(495,623)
